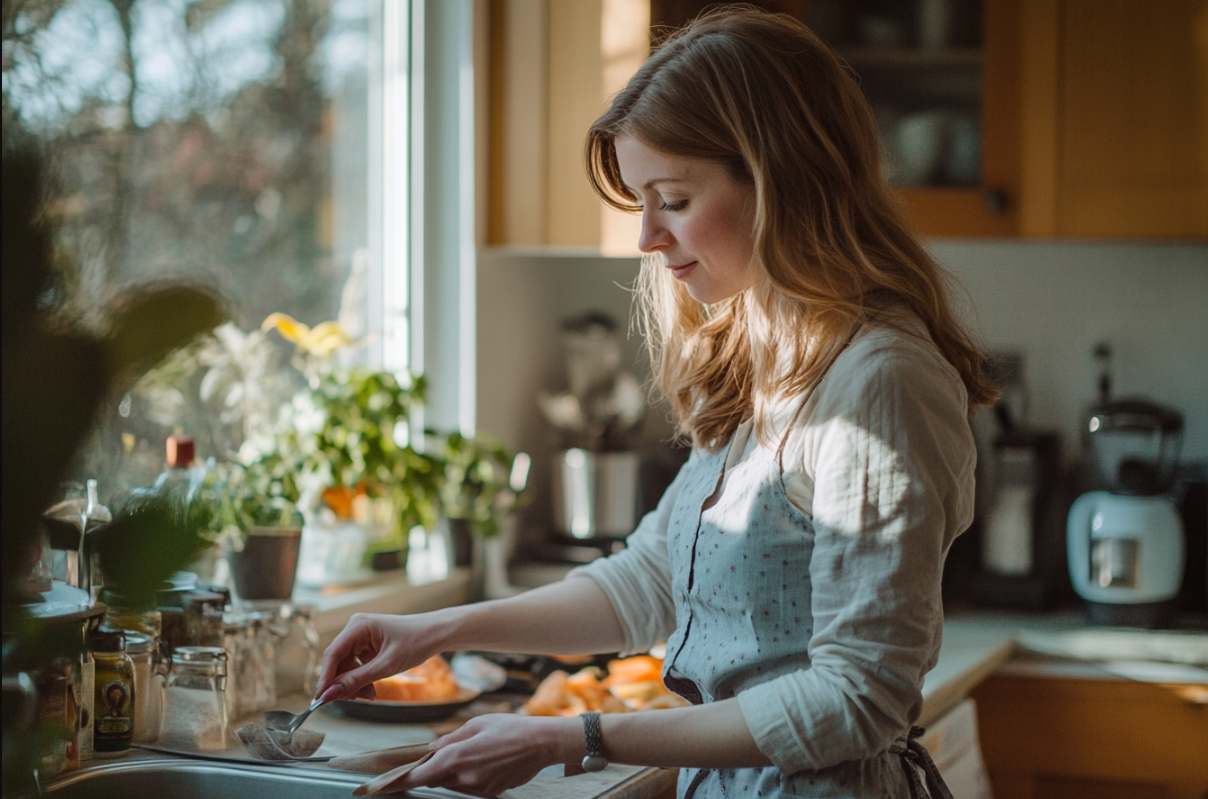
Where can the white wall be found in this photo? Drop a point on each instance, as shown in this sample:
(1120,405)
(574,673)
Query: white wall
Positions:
(1050,301)
(1054,301)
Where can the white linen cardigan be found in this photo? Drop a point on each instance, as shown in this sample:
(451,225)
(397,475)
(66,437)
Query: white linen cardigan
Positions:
(880,457)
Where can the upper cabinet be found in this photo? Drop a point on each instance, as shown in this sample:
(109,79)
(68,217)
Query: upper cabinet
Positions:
(999,118)
(942,79)
(1120,146)
(554,64)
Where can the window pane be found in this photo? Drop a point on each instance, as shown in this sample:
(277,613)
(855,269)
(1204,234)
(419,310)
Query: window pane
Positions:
(226,141)
(220,139)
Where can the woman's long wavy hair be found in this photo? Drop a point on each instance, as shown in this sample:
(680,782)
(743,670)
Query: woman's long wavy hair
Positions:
(765,97)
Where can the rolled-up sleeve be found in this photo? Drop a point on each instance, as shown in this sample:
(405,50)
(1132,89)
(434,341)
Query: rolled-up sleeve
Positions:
(891,457)
(637,580)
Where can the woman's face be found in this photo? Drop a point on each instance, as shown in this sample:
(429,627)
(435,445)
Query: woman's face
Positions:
(698,218)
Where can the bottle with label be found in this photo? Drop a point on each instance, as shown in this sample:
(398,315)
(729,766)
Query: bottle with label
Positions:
(113,705)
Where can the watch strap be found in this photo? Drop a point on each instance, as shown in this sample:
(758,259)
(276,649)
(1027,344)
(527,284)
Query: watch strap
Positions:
(593,758)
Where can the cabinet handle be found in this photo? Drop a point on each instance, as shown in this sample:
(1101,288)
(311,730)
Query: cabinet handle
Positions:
(996,201)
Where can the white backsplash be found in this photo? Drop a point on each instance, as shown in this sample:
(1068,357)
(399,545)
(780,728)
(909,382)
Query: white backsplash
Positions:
(1052,301)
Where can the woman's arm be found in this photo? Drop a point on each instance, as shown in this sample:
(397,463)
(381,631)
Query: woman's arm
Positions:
(570,617)
(492,753)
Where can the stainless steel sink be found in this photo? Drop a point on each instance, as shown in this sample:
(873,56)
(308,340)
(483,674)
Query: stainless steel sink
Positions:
(196,779)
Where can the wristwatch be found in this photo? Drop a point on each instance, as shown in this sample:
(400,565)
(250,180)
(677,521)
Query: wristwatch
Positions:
(594,759)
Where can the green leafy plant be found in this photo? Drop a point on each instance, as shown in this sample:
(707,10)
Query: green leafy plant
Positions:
(476,481)
(241,497)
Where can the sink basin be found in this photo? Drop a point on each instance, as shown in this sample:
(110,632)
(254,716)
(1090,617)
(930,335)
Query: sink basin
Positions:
(196,779)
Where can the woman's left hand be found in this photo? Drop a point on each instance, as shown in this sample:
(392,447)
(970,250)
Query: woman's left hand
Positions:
(492,753)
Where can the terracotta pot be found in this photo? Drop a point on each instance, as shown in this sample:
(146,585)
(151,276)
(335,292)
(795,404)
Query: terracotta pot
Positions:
(266,566)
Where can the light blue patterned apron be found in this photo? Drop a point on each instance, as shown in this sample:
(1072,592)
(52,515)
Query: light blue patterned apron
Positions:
(741,583)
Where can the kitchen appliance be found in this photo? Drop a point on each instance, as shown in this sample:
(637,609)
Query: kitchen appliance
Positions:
(1125,542)
(1013,555)
(596,493)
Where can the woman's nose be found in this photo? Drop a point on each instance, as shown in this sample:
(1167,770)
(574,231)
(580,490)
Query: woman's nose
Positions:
(654,235)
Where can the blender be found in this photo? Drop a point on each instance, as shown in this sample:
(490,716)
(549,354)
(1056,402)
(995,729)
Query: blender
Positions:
(1125,542)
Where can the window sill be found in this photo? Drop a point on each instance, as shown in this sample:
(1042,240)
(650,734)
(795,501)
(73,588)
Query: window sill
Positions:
(392,593)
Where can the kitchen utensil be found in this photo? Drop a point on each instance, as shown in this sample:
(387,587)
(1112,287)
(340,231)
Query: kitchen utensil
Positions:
(265,744)
(405,712)
(1125,543)
(286,723)
(381,760)
(380,783)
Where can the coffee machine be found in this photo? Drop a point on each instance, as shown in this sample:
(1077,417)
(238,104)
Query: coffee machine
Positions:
(1125,542)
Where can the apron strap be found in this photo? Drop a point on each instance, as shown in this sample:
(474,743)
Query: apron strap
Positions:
(915,756)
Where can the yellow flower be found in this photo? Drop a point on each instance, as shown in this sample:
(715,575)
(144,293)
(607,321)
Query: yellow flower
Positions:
(321,340)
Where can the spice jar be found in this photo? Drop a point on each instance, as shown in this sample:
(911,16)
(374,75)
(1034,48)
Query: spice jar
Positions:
(148,688)
(203,618)
(262,662)
(195,716)
(119,616)
(113,703)
(234,641)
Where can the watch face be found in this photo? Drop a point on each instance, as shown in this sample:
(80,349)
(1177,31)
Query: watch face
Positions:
(594,763)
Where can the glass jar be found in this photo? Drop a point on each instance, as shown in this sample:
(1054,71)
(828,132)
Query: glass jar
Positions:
(203,618)
(262,660)
(118,616)
(53,708)
(176,632)
(148,687)
(113,703)
(195,713)
(235,624)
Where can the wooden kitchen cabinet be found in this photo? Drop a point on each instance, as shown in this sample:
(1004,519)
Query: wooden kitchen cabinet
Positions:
(1130,118)
(1091,115)
(1045,737)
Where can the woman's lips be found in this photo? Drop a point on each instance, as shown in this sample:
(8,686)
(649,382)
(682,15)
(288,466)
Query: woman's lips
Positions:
(681,272)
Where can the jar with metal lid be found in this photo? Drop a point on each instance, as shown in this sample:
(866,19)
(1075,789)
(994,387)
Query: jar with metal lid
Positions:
(148,687)
(114,701)
(195,713)
(203,618)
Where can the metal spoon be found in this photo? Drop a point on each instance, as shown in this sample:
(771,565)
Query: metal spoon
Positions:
(285,723)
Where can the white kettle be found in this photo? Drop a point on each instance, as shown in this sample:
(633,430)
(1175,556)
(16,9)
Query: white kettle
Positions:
(1125,550)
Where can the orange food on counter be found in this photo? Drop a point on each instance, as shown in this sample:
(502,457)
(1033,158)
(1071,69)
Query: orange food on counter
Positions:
(632,684)
(430,681)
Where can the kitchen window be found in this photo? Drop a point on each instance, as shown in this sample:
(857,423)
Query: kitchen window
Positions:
(285,152)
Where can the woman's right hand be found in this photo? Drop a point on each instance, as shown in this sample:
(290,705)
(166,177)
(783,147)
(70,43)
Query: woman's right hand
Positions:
(373,646)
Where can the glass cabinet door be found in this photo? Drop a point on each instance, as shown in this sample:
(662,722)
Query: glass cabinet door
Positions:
(938,74)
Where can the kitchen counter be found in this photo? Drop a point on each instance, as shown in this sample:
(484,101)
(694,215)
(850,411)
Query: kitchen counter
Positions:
(977,643)
(346,736)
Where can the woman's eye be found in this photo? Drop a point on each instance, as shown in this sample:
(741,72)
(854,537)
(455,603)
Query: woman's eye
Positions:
(679,206)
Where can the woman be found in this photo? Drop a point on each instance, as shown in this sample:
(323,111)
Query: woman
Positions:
(805,342)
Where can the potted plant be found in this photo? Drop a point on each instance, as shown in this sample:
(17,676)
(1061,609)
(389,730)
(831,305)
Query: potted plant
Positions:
(478,486)
(482,484)
(258,524)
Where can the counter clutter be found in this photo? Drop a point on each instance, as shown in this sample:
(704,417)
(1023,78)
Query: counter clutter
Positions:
(976,644)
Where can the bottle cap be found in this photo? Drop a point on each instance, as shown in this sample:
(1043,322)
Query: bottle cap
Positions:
(180,451)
